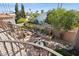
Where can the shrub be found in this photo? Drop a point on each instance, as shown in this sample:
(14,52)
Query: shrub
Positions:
(43,31)
(61,19)
(22,20)
(68,20)
(28,26)
(64,52)
(23,27)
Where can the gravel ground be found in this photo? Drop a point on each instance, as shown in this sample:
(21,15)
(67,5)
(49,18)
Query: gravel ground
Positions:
(30,50)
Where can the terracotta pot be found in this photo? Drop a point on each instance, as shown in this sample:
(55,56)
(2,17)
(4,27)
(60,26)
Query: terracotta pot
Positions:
(70,36)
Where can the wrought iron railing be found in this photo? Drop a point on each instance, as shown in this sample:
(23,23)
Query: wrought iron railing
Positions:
(20,45)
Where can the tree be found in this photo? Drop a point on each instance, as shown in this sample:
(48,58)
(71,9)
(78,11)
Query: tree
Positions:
(54,18)
(42,11)
(61,19)
(33,16)
(23,14)
(17,12)
(68,21)
(37,11)
(76,19)
(29,9)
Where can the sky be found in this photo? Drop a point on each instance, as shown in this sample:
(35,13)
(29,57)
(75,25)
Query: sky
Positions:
(10,7)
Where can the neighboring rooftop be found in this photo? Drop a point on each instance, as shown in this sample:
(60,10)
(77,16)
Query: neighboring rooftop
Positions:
(6,16)
(3,25)
(41,18)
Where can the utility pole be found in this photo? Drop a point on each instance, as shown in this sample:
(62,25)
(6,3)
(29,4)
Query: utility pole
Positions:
(59,5)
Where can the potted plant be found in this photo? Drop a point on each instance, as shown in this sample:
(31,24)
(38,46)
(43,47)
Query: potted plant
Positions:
(61,20)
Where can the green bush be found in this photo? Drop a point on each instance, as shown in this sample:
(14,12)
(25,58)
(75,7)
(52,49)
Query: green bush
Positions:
(61,19)
(23,27)
(43,31)
(21,20)
(28,26)
(64,52)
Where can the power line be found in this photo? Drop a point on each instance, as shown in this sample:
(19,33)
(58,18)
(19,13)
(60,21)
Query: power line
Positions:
(1,8)
(4,8)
